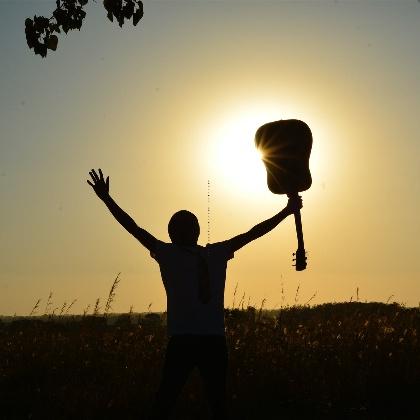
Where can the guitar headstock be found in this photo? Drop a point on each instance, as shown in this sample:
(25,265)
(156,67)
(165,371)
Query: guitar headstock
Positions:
(300,259)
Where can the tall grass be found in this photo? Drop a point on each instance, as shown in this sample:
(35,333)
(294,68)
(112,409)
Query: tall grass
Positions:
(333,361)
(349,360)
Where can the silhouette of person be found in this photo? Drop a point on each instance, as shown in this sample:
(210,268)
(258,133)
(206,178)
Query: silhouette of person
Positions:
(194,280)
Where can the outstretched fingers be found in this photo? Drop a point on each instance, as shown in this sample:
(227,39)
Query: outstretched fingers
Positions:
(99,184)
(94,175)
(93,178)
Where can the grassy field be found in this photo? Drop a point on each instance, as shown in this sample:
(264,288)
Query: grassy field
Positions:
(333,361)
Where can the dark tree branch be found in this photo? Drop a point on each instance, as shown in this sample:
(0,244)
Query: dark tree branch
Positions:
(69,14)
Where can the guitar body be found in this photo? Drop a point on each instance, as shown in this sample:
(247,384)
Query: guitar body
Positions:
(286,147)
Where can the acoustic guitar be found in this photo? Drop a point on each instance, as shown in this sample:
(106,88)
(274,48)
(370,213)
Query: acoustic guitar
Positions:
(286,147)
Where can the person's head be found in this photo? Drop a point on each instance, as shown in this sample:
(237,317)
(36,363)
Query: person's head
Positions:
(183,228)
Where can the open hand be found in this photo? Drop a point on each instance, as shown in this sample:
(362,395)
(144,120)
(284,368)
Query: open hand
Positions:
(294,204)
(100,186)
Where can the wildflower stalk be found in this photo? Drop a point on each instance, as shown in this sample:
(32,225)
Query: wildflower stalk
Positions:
(35,308)
(111,295)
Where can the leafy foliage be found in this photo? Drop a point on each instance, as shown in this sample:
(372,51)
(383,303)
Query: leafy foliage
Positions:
(69,14)
(335,361)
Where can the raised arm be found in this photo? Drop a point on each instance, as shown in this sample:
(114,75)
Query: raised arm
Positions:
(101,188)
(237,242)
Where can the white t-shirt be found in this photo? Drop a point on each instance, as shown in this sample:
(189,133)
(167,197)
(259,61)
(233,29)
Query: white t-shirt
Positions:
(179,270)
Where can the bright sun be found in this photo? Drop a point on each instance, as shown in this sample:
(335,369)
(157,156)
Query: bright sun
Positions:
(234,163)
(234,159)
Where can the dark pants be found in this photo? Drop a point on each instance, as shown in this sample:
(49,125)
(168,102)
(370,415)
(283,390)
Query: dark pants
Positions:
(184,352)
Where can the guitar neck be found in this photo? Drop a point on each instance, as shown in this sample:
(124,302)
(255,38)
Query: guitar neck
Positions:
(300,252)
(299,231)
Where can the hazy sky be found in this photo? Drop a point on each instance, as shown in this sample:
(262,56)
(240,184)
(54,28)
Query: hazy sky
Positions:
(160,107)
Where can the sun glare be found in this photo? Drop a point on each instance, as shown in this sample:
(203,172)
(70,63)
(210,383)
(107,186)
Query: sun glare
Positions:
(235,161)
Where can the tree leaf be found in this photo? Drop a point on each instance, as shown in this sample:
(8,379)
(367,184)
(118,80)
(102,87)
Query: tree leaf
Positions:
(128,9)
(52,42)
(40,49)
(120,19)
(137,16)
